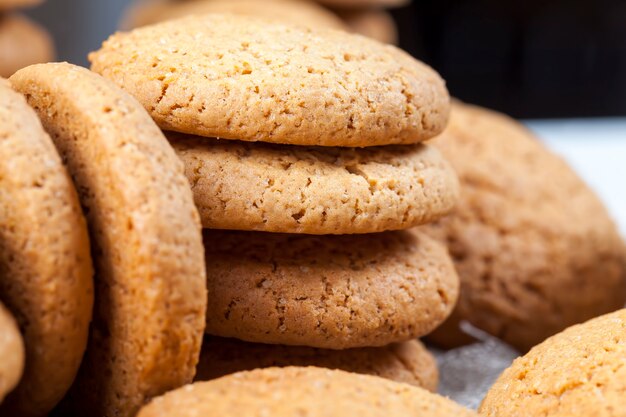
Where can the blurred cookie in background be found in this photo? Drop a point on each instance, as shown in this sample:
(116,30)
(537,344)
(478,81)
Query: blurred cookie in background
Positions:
(373,23)
(304,13)
(15,4)
(22,43)
(534,247)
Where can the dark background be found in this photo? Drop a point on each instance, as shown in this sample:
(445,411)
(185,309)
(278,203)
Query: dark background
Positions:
(528,58)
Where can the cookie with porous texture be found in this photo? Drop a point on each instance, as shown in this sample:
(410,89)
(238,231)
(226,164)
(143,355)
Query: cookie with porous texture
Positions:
(238,77)
(46,277)
(534,247)
(312,392)
(11,352)
(332,292)
(407,362)
(579,372)
(22,43)
(150,277)
(305,13)
(315,190)
(373,23)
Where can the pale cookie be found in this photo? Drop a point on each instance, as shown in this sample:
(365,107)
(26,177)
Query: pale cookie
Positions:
(150,277)
(46,277)
(315,190)
(304,13)
(22,43)
(293,391)
(11,352)
(333,292)
(579,372)
(534,247)
(373,23)
(407,362)
(244,78)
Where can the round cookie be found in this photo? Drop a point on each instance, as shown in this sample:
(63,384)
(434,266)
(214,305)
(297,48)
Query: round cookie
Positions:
(305,13)
(11,352)
(579,372)
(534,247)
(407,362)
(293,391)
(238,77)
(46,276)
(22,43)
(150,277)
(315,190)
(333,292)
(373,23)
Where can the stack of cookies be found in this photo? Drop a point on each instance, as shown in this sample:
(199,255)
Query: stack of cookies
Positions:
(22,41)
(303,151)
(369,21)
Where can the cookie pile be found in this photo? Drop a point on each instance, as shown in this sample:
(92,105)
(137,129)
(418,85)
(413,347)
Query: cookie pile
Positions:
(22,41)
(366,19)
(308,194)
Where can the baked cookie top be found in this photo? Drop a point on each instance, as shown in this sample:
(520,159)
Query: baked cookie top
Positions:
(313,392)
(46,276)
(333,292)
(150,277)
(579,372)
(408,362)
(11,352)
(305,13)
(315,190)
(238,77)
(535,248)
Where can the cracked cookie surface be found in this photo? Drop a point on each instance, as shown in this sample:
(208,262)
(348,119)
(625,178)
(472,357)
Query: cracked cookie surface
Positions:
(46,276)
(407,362)
(315,190)
(294,391)
(333,292)
(534,247)
(238,77)
(148,318)
(579,372)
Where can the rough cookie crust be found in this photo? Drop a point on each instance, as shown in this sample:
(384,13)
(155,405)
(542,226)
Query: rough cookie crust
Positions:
(293,189)
(238,77)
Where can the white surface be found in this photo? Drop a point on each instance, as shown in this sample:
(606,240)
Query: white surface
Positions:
(596,148)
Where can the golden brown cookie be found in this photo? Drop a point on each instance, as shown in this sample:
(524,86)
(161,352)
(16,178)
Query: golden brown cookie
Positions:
(534,247)
(373,23)
(11,352)
(315,190)
(22,43)
(579,372)
(238,77)
(294,391)
(150,277)
(332,292)
(45,266)
(305,13)
(407,362)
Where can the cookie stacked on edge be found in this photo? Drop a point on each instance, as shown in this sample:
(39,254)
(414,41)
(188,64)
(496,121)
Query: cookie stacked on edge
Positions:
(22,41)
(319,167)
